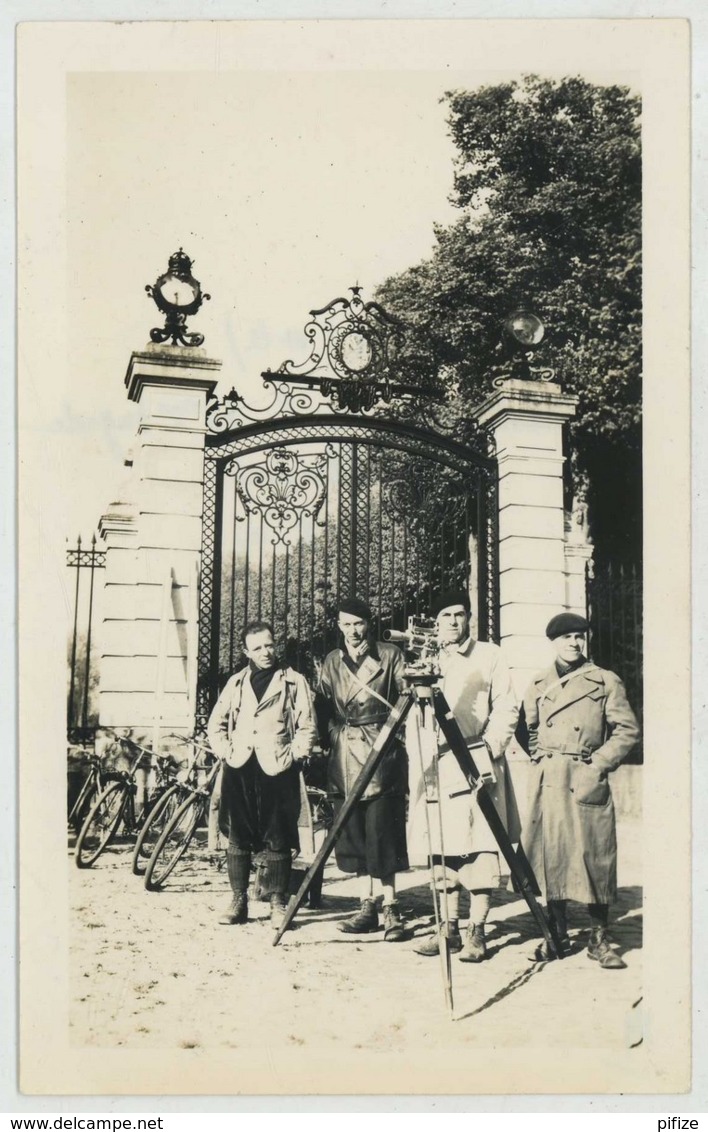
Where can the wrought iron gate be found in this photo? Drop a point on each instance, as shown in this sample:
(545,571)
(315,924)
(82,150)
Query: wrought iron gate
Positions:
(614,610)
(321,494)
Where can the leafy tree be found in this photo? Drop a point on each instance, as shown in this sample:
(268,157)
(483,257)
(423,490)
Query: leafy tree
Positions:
(548,184)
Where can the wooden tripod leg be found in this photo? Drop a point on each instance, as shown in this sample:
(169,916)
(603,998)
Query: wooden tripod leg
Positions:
(384,742)
(451,730)
(442,919)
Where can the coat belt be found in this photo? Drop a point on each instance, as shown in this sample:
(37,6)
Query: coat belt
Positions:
(359,722)
(583,753)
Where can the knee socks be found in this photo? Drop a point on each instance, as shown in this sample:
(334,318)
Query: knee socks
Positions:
(238,863)
(479,906)
(274,867)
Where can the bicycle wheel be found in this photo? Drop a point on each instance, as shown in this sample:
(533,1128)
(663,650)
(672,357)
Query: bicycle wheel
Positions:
(101,824)
(85,798)
(174,841)
(157,820)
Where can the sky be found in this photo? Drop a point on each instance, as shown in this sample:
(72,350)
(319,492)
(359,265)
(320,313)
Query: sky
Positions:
(285,189)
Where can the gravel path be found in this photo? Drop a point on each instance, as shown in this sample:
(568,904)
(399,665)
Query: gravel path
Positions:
(155,970)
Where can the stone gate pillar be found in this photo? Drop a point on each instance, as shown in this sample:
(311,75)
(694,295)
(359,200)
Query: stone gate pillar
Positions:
(148,666)
(526,419)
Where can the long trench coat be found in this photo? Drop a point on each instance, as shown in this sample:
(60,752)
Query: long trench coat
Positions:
(477,686)
(579,730)
(353,709)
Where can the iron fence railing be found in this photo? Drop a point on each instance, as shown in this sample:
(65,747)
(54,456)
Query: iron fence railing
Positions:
(614,611)
(80,715)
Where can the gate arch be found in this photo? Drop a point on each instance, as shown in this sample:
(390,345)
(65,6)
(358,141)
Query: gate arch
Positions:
(314,497)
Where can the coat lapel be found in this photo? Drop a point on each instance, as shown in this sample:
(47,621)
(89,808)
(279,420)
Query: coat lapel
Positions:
(367,671)
(582,683)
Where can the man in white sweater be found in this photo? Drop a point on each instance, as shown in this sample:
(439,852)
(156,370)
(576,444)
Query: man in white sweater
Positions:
(477,686)
(262,726)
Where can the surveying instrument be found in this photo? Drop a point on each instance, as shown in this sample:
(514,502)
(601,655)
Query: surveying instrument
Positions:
(425,699)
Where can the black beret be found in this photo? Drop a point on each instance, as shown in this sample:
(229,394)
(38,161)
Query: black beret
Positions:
(356,608)
(448,598)
(565,623)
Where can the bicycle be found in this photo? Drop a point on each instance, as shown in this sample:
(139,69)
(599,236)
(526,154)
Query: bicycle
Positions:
(321,808)
(178,834)
(92,785)
(116,803)
(164,810)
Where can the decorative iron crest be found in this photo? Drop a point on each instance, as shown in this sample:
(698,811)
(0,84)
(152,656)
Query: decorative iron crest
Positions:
(359,356)
(357,353)
(283,487)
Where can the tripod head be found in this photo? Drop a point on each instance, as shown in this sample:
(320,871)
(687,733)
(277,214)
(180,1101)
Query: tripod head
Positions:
(420,641)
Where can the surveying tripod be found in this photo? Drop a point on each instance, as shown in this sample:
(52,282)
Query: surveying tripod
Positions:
(424,694)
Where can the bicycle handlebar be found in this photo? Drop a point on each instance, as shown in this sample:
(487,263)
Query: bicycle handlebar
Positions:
(152,753)
(191,742)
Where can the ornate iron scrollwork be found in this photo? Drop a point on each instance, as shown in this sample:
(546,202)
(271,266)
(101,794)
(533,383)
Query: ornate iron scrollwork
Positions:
(282,487)
(416,503)
(234,412)
(357,354)
(357,351)
(350,340)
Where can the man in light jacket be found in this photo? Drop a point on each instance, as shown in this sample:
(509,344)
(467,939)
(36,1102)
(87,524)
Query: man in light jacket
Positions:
(262,727)
(477,686)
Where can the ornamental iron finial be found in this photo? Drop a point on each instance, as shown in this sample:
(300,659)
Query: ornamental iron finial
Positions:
(177,294)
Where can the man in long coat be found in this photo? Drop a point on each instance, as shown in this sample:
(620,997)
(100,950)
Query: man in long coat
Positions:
(262,726)
(477,686)
(359,685)
(579,728)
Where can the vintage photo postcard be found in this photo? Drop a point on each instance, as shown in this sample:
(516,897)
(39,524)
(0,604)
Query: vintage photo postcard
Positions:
(354,517)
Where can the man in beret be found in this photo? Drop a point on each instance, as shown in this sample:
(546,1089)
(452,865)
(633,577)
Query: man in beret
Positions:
(359,684)
(577,727)
(477,686)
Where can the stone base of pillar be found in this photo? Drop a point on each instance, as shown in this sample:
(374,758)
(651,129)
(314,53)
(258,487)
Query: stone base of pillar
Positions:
(149,663)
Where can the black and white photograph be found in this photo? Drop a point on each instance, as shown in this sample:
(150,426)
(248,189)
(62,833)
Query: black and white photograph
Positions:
(353,448)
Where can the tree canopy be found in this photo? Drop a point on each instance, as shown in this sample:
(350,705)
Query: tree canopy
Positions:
(547,179)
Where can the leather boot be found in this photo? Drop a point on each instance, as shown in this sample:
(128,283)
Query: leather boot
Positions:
(365,920)
(601,949)
(475,949)
(237,911)
(431,944)
(394,932)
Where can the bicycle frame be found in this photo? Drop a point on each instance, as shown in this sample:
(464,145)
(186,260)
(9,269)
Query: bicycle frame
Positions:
(92,785)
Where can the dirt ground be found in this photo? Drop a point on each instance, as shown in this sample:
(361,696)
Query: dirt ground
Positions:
(156,970)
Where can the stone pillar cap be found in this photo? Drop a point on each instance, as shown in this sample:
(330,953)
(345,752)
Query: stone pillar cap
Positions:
(517,397)
(181,367)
